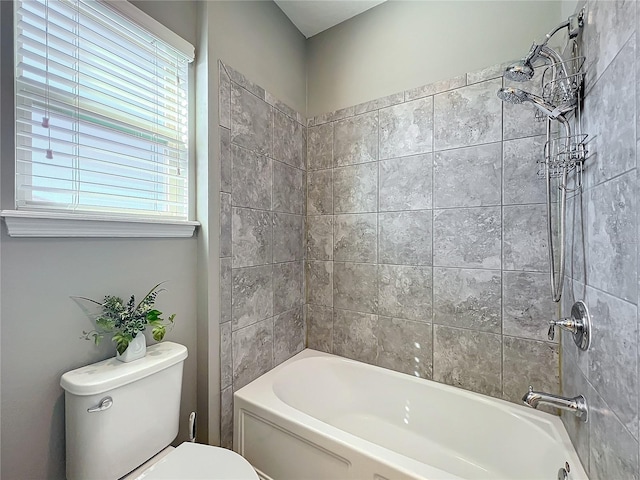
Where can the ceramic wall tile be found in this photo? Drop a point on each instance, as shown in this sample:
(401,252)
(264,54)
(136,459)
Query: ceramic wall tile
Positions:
(226,361)
(225,290)
(251,121)
(355,287)
(320,147)
(522,184)
(225,225)
(519,371)
(224,97)
(573,384)
(576,237)
(609,119)
(288,237)
(612,237)
(467,359)
(320,237)
(355,139)
(406,129)
(608,26)
(468,298)
(335,115)
(251,295)
(379,103)
(468,177)
(287,140)
(613,355)
(613,452)
(520,121)
(488,73)
(282,107)
(320,192)
(405,292)
(435,87)
(468,116)
(288,189)
(355,188)
(354,335)
(320,328)
(251,237)
(319,283)
(396,353)
(242,81)
(288,335)
(467,237)
(527,306)
(287,286)
(226,418)
(405,237)
(406,183)
(251,179)
(354,238)
(252,352)
(225,160)
(524,241)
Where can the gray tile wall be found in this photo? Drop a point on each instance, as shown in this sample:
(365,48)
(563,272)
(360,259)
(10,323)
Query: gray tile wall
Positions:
(603,251)
(425,238)
(262,197)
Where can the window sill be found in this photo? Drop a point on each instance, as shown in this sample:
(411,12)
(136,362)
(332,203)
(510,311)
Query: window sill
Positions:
(49,224)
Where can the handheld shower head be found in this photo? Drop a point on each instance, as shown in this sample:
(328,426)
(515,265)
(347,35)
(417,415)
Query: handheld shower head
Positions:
(512,95)
(517,96)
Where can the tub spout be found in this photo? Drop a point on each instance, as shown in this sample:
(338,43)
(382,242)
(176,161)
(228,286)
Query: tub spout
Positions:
(577,405)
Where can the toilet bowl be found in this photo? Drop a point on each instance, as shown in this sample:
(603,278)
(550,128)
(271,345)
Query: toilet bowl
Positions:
(121,418)
(194,461)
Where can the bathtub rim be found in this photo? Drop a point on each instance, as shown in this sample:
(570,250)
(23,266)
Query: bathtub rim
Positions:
(273,409)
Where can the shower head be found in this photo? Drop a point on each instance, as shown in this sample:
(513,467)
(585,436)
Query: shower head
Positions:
(516,96)
(512,95)
(520,71)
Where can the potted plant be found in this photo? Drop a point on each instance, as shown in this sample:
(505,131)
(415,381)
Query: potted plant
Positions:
(126,322)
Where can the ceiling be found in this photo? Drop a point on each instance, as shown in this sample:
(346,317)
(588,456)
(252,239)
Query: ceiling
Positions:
(314,16)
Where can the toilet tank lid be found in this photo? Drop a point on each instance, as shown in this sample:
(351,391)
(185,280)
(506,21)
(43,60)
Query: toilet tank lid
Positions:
(103,376)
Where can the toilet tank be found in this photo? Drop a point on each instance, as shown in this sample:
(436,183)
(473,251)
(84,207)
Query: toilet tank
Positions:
(141,419)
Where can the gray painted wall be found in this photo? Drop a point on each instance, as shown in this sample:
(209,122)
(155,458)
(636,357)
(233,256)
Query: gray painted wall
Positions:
(403,44)
(426,244)
(603,247)
(42,325)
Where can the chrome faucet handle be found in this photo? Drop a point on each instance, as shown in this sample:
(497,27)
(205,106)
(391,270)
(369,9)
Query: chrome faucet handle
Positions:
(579,324)
(566,323)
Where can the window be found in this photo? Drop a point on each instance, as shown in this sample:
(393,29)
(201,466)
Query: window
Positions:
(102,112)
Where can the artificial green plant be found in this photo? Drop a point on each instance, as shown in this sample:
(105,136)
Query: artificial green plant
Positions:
(125,320)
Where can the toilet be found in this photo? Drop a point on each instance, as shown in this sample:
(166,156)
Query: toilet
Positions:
(122,417)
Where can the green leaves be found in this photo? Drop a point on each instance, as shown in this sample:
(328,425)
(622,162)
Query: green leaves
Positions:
(125,320)
(122,341)
(158,332)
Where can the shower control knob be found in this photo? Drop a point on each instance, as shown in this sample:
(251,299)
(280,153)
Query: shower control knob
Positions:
(579,324)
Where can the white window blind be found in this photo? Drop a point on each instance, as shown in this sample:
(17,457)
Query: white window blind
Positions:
(101,113)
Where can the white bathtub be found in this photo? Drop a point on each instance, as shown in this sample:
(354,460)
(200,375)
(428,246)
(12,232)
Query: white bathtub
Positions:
(319,416)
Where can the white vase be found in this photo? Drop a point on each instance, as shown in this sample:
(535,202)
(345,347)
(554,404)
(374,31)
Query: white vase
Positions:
(137,349)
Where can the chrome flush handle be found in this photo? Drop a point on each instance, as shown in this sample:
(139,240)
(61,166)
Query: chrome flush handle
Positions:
(104,404)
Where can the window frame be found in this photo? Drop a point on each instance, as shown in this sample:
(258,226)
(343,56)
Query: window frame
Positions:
(43,223)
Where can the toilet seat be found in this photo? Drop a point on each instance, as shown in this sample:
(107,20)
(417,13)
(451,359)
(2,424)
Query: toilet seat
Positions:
(194,461)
